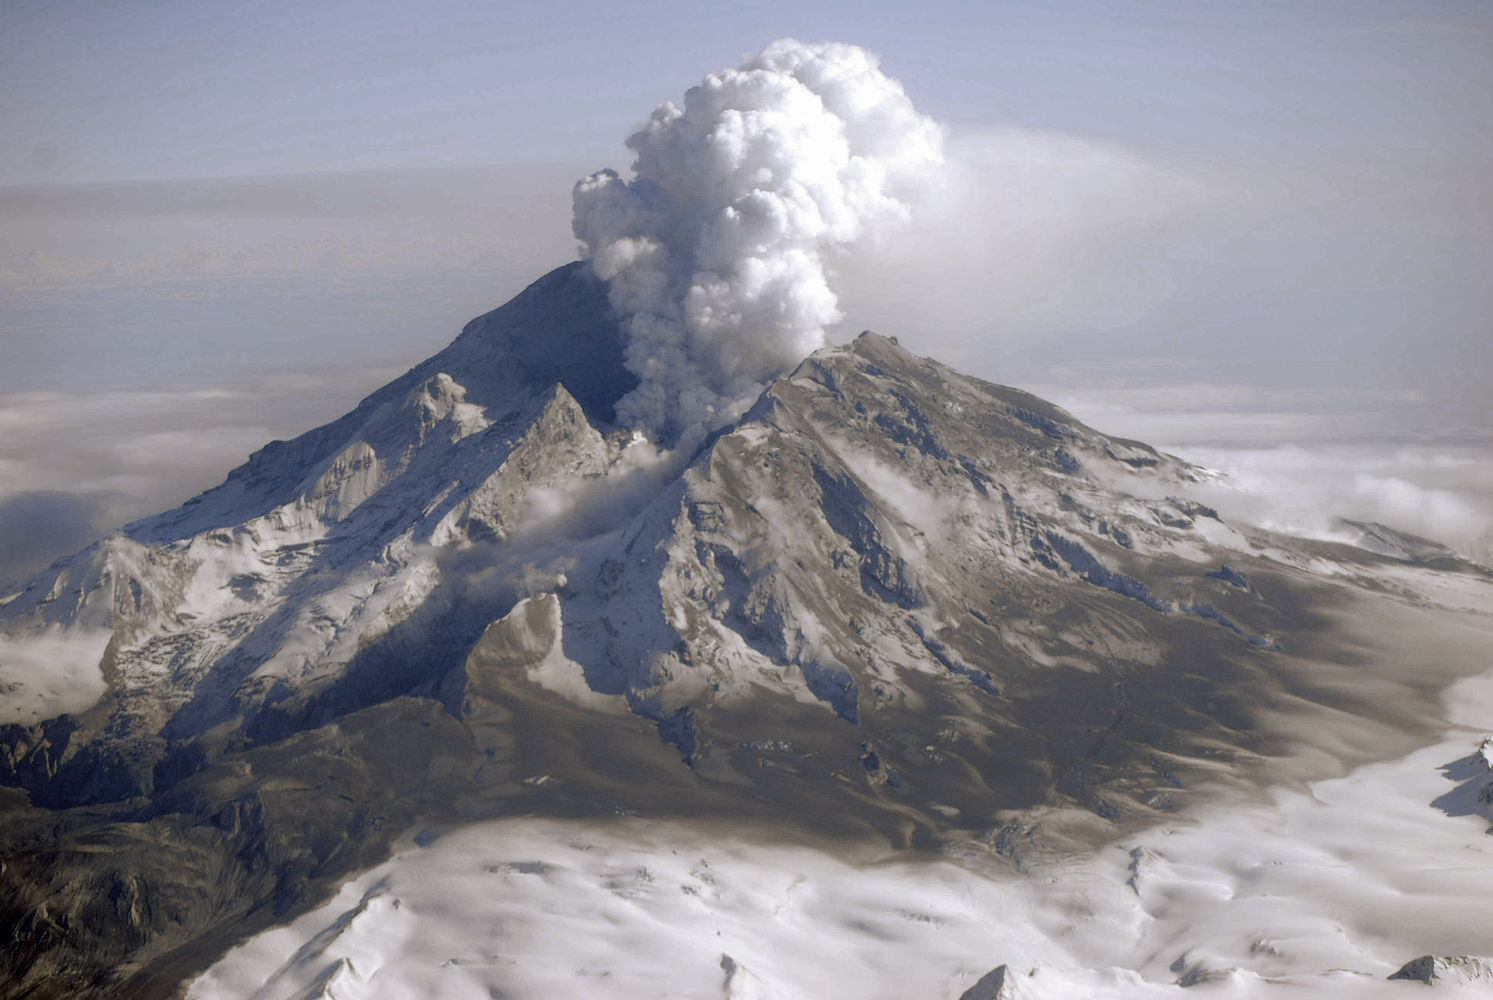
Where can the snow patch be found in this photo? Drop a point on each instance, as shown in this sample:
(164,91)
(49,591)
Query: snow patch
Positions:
(535,626)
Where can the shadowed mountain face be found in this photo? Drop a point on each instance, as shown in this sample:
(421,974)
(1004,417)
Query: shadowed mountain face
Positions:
(891,600)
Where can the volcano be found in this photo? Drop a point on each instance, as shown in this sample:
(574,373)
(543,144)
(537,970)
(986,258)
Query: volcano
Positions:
(890,605)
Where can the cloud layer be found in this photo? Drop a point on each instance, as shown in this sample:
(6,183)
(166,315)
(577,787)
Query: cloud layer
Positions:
(719,251)
(1300,460)
(74,466)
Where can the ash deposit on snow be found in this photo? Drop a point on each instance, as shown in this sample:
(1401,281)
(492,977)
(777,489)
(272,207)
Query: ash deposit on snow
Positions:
(1318,894)
(719,252)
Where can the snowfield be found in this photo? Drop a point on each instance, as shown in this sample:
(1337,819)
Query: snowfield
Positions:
(1318,891)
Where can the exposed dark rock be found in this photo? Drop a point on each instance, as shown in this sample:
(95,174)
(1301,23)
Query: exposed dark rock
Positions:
(1231,577)
(997,984)
(1455,970)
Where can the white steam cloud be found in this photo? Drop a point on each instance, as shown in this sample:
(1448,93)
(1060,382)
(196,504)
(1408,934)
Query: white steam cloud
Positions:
(720,251)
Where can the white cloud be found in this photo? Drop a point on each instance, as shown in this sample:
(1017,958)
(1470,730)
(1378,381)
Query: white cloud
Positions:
(718,252)
(1444,495)
(1297,460)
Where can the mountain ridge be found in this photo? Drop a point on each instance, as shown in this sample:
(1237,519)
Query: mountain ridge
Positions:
(557,330)
(889,600)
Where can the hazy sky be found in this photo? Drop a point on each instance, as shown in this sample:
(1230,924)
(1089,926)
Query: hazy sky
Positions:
(223,222)
(115,91)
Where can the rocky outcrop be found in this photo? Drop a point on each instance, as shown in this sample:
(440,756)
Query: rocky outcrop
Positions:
(1449,970)
(997,984)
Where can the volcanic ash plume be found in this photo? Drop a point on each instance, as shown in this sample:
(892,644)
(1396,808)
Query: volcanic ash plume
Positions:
(719,251)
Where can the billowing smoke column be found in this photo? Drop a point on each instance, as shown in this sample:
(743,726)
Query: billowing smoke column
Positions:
(718,251)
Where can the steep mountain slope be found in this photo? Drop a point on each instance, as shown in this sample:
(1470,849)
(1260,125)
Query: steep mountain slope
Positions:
(890,600)
(310,552)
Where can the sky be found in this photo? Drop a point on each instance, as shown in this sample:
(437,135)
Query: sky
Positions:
(1257,234)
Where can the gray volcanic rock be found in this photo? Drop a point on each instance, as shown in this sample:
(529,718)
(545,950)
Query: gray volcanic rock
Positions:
(1456,970)
(997,984)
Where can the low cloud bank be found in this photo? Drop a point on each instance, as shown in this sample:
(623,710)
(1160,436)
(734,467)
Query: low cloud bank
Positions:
(75,466)
(1444,493)
(1299,461)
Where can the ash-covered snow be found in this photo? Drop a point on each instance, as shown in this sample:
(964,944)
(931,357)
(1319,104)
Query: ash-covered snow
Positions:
(1318,891)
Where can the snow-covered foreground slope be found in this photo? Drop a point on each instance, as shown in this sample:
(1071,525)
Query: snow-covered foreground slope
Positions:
(1321,891)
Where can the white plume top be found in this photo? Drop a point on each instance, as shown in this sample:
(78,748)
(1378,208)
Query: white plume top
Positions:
(718,252)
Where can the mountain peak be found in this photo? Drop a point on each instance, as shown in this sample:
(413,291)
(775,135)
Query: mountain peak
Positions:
(300,589)
(891,596)
(558,329)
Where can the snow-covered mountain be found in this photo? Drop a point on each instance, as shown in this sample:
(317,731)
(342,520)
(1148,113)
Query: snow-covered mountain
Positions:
(890,601)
